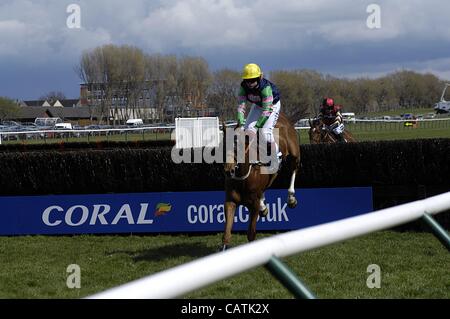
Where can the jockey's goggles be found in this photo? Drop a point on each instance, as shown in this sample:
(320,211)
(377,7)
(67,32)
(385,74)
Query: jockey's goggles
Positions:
(250,81)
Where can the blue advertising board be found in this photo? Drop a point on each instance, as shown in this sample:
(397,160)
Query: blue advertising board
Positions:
(173,212)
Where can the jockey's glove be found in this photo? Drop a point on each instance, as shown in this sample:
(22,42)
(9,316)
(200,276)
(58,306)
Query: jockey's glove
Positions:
(240,119)
(333,126)
(261,121)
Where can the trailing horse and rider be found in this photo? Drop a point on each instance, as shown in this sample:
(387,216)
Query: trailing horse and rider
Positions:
(247,176)
(328,127)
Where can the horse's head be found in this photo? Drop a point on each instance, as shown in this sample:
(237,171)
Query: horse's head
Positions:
(230,168)
(237,165)
(320,133)
(315,132)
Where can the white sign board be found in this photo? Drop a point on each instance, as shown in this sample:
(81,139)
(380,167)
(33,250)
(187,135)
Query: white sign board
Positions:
(197,132)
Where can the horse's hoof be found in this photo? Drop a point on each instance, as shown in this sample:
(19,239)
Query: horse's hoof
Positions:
(292,203)
(224,247)
(264,212)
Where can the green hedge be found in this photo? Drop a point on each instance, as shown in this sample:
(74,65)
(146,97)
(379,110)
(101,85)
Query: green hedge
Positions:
(140,167)
(17,147)
(398,171)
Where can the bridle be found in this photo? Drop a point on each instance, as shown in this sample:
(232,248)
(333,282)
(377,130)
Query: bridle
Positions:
(240,178)
(233,170)
(326,134)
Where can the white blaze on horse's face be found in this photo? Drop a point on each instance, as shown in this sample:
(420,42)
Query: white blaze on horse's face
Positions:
(233,171)
(228,167)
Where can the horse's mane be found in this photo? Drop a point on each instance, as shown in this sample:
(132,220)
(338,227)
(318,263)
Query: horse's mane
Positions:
(283,120)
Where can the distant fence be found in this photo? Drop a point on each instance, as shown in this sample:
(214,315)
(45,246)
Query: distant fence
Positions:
(370,124)
(44,136)
(182,279)
(165,132)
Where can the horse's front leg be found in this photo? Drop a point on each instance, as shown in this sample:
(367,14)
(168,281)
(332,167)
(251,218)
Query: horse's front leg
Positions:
(230,208)
(251,232)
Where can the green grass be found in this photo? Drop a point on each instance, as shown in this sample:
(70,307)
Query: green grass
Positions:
(96,138)
(374,132)
(413,265)
(399,112)
(392,131)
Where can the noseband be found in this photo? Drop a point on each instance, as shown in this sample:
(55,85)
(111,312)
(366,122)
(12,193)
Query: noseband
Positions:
(240,178)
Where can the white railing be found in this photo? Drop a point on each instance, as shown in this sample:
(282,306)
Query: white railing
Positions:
(80,133)
(202,272)
(397,121)
(86,131)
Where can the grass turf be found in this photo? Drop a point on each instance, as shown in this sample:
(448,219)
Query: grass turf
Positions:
(384,134)
(413,265)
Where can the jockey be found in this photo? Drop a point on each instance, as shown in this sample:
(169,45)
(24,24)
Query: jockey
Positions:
(330,115)
(265,104)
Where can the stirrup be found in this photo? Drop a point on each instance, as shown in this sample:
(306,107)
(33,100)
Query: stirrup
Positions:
(280,157)
(257,162)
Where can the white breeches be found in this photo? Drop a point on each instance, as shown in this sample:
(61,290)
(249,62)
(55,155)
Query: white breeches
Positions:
(267,129)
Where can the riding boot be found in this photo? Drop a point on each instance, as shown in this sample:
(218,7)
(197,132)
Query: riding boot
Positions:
(340,138)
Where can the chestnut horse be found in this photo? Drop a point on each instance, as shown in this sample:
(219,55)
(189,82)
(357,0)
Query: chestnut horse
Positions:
(320,133)
(246,182)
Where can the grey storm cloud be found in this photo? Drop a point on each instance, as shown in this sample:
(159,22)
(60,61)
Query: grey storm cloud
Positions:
(330,36)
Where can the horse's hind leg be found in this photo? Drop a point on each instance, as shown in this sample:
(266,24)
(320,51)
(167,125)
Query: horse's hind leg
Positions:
(251,232)
(230,209)
(292,201)
(294,164)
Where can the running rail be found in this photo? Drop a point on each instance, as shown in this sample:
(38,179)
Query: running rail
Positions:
(199,273)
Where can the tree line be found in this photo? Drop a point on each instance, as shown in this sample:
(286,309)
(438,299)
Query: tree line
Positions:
(170,82)
(129,80)
(399,90)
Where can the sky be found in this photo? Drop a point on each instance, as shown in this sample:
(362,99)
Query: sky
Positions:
(41,42)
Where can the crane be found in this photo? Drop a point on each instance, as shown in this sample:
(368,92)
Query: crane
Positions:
(443,106)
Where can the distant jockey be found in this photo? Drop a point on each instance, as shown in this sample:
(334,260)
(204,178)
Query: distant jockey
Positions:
(265,104)
(330,115)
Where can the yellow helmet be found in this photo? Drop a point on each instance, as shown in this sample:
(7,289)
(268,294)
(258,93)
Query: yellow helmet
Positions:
(251,71)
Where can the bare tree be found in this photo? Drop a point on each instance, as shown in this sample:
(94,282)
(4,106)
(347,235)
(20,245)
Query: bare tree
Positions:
(8,108)
(297,96)
(194,79)
(162,84)
(223,92)
(128,82)
(99,69)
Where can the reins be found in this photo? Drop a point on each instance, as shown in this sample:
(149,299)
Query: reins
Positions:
(249,166)
(243,177)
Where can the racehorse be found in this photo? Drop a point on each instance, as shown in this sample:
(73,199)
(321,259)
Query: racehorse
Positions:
(246,182)
(320,133)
